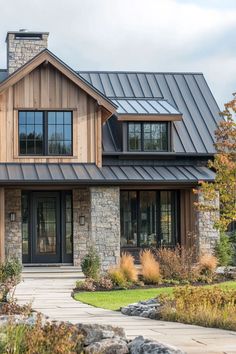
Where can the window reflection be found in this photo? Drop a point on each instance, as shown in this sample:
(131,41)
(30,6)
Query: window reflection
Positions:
(148,218)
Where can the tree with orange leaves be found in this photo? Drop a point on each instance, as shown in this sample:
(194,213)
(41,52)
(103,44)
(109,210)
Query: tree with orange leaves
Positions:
(224,164)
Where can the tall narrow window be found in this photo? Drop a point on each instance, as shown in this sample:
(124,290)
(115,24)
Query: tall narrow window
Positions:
(134,137)
(31,133)
(25,225)
(129,219)
(45,133)
(59,133)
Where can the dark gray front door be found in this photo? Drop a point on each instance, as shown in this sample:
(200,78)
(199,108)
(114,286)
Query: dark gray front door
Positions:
(46,228)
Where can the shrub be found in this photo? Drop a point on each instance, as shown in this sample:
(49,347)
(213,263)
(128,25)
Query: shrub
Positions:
(117,277)
(207,265)
(128,268)
(204,306)
(91,264)
(105,282)
(10,274)
(57,338)
(224,250)
(10,270)
(177,264)
(150,268)
(87,284)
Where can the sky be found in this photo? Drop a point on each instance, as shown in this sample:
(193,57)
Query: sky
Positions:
(136,35)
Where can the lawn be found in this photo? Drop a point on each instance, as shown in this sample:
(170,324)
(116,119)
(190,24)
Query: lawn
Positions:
(114,300)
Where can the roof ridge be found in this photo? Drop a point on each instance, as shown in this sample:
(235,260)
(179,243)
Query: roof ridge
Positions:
(139,72)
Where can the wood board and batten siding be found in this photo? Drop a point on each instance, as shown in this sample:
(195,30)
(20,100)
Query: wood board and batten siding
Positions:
(188,230)
(46,88)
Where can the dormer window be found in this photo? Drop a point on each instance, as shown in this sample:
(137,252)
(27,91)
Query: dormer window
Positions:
(148,136)
(45,133)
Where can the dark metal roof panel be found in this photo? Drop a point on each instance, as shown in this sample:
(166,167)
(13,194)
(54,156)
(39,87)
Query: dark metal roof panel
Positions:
(187,93)
(90,173)
(144,106)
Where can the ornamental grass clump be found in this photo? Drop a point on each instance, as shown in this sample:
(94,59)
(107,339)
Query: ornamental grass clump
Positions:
(177,264)
(128,268)
(207,265)
(150,268)
(203,306)
(117,277)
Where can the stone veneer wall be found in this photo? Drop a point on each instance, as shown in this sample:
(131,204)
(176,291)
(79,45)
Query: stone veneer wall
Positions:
(105,223)
(13,235)
(81,234)
(207,234)
(20,51)
(101,208)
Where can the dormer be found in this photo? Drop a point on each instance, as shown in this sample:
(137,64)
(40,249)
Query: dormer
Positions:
(146,124)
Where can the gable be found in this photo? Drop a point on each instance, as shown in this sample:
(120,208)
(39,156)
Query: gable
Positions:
(46,87)
(46,57)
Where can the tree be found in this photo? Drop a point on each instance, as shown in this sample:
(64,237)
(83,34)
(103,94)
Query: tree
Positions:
(224,164)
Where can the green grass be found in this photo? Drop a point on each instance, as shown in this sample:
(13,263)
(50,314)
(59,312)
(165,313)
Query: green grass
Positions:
(114,300)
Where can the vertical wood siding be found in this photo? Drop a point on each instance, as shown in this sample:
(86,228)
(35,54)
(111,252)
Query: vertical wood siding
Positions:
(46,88)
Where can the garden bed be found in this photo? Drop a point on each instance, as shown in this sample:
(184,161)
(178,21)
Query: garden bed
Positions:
(114,300)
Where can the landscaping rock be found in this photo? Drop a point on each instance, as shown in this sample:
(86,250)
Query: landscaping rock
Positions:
(95,332)
(148,309)
(19,319)
(108,346)
(141,345)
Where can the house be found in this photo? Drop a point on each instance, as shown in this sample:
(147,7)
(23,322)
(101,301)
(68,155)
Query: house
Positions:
(104,159)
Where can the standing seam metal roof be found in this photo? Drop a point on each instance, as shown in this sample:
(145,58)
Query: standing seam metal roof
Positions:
(12,173)
(188,93)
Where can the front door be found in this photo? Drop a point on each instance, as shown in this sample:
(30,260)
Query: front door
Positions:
(47,227)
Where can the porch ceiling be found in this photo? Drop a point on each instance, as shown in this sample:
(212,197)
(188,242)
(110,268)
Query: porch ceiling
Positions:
(70,173)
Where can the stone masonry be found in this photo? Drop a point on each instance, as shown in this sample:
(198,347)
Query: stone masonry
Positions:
(81,233)
(207,234)
(21,48)
(101,209)
(105,224)
(13,237)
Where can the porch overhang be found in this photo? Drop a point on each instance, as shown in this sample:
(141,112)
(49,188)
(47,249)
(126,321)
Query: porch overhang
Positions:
(88,173)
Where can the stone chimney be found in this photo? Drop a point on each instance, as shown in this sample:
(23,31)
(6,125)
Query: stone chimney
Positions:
(22,46)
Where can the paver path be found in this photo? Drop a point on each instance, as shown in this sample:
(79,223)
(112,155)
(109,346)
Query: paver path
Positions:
(53,298)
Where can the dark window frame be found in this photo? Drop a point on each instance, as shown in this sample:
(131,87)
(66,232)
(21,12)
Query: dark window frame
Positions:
(45,148)
(175,214)
(142,140)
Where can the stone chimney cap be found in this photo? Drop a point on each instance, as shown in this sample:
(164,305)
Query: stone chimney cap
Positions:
(25,32)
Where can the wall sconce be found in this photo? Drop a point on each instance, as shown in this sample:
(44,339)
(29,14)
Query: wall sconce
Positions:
(82,220)
(12,216)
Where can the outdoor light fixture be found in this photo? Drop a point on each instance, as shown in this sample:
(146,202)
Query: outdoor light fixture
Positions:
(82,220)
(12,216)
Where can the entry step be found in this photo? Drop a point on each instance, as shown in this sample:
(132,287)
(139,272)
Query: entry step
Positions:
(49,272)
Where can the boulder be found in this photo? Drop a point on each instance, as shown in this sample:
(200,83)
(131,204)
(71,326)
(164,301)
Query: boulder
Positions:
(95,332)
(108,346)
(140,345)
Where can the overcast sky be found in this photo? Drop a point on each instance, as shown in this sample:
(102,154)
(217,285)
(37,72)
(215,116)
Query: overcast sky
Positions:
(148,35)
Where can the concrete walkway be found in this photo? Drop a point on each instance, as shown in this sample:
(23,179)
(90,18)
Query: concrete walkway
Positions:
(52,296)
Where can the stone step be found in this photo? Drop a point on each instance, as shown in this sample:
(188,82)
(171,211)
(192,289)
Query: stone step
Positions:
(50,272)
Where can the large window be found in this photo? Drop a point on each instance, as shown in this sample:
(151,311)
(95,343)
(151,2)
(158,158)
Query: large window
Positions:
(148,136)
(149,218)
(45,133)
